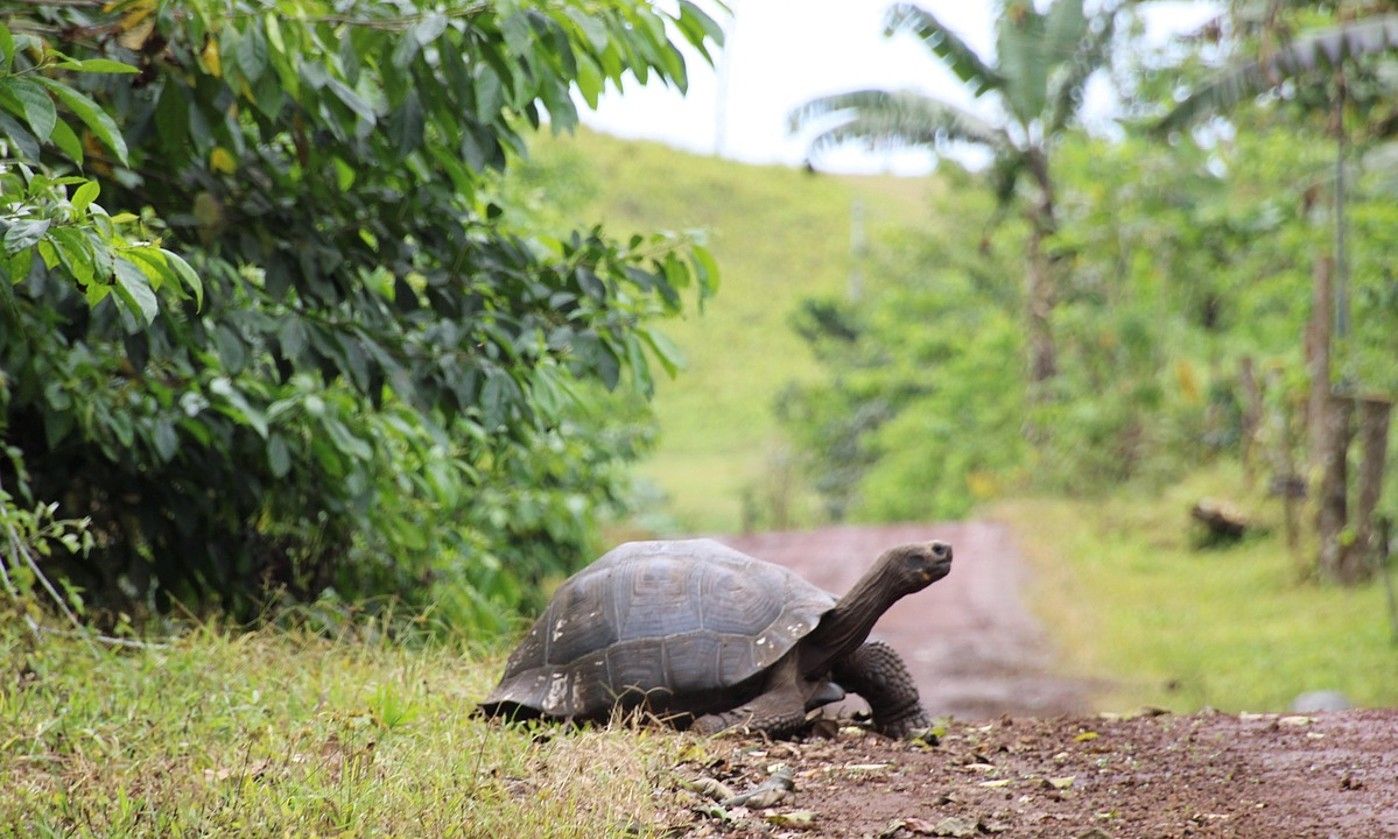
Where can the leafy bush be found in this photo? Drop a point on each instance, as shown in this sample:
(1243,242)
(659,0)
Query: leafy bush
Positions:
(363,372)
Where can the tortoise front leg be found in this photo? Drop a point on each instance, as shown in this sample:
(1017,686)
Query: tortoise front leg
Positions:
(875,672)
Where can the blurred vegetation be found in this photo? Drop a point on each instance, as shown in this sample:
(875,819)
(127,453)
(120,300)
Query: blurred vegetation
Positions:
(780,235)
(1146,617)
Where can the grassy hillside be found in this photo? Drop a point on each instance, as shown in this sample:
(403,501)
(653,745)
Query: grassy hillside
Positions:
(779,235)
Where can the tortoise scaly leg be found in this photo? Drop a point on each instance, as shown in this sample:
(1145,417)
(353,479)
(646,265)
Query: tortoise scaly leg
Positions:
(776,714)
(779,711)
(877,673)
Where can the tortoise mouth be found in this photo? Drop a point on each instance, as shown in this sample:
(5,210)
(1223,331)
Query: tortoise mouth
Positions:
(937,571)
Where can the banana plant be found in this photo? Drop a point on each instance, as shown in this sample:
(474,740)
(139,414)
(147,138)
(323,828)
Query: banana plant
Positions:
(1041,66)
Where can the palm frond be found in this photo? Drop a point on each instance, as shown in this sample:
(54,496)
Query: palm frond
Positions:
(1093,52)
(882,119)
(945,44)
(1065,27)
(1022,55)
(1314,50)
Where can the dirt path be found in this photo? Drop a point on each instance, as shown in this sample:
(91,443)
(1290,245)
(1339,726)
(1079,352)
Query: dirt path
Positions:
(1253,776)
(972,646)
(1021,758)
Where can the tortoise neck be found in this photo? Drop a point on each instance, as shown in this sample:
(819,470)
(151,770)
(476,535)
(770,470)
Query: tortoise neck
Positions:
(845,627)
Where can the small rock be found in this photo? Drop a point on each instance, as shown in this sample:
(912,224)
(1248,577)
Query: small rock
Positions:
(953,826)
(1320,700)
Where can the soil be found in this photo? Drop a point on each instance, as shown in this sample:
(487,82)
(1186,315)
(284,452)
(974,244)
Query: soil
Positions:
(1020,755)
(1324,775)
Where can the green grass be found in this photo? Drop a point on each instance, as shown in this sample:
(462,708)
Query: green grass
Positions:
(779,235)
(1130,601)
(275,733)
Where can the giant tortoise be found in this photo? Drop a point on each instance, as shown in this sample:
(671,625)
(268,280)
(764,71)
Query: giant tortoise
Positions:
(704,636)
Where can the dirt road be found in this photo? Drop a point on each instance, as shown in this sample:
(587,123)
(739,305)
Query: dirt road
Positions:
(1023,758)
(971,644)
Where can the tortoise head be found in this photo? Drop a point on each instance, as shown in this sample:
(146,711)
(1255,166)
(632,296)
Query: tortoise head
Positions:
(917,566)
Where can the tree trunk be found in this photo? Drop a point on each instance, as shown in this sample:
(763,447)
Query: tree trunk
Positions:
(1318,358)
(1332,437)
(1374,415)
(1043,356)
(1042,289)
(1252,415)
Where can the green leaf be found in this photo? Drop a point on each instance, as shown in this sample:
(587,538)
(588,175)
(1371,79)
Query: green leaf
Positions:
(76,253)
(37,107)
(67,142)
(251,51)
(98,65)
(134,289)
(406,124)
(92,115)
(23,234)
(237,406)
(665,350)
(353,101)
(7,49)
(165,440)
(84,195)
(186,275)
(278,456)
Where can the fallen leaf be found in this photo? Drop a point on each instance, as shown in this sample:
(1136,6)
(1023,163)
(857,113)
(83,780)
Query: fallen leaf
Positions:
(765,794)
(795,818)
(709,788)
(1065,782)
(867,767)
(714,811)
(1086,736)
(1296,721)
(1003,782)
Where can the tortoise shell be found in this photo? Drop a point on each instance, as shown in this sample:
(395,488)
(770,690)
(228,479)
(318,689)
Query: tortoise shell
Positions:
(677,624)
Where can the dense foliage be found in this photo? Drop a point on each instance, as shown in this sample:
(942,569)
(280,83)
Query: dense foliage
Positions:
(363,373)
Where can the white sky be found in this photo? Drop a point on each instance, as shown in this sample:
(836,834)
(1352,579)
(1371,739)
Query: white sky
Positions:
(781,53)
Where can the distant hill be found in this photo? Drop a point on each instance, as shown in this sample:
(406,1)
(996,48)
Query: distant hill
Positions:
(779,235)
